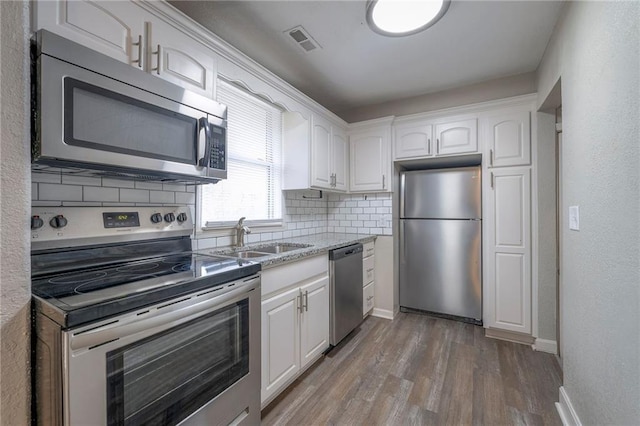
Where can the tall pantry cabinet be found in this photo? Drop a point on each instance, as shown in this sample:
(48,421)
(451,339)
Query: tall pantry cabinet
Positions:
(508,217)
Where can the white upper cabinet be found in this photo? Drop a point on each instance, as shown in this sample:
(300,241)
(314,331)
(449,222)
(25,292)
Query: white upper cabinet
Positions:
(456,137)
(370,163)
(413,140)
(124,31)
(339,158)
(429,137)
(321,171)
(508,138)
(112,28)
(329,155)
(175,57)
(316,153)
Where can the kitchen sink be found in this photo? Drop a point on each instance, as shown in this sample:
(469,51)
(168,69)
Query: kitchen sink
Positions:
(280,248)
(247,254)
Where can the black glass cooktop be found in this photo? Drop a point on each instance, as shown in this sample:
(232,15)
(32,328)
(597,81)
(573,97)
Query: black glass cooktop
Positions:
(133,284)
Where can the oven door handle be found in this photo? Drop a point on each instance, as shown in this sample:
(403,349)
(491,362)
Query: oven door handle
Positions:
(204,124)
(171,313)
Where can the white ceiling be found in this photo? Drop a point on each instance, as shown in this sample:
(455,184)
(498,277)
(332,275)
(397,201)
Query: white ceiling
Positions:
(475,41)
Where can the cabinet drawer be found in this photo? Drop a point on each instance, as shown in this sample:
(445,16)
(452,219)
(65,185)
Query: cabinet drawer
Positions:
(367,298)
(283,276)
(368,270)
(368,249)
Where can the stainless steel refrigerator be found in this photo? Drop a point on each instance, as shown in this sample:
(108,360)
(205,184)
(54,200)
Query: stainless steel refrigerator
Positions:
(441,242)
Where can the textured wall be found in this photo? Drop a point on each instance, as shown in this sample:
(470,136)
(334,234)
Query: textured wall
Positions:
(14,214)
(521,84)
(595,50)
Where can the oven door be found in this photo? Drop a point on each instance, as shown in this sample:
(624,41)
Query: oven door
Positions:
(89,120)
(194,360)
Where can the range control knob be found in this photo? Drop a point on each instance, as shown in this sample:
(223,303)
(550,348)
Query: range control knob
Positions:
(36,222)
(182,217)
(58,221)
(169,217)
(156,218)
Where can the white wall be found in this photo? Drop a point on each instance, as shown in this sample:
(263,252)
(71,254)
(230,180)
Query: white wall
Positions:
(521,84)
(14,215)
(595,50)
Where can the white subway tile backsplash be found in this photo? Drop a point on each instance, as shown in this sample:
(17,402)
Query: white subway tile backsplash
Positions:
(81,204)
(134,195)
(81,180)
(162,196)
(42,177)
(118,183)
(101,194)
(155,186)
(39,203)
(178,187)
(57,192)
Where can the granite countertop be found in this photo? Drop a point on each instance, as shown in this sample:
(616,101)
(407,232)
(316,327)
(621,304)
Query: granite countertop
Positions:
(318,244)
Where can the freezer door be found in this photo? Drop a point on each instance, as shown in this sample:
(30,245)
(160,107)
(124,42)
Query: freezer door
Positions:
(440,266)
(441,194)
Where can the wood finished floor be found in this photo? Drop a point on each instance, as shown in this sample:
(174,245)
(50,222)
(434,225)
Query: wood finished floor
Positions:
(424,371)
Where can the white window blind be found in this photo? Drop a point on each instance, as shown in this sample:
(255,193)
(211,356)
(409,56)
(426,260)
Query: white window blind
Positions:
(253,187)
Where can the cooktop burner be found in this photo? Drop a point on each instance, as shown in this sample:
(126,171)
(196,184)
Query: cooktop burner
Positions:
(82,282)
(91,263)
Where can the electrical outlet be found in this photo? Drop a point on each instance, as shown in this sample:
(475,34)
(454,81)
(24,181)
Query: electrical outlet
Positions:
(574,218)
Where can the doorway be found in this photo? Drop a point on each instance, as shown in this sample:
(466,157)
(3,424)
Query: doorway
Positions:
(559,226)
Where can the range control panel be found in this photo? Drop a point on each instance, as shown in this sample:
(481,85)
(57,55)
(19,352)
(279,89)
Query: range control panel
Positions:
(55,227)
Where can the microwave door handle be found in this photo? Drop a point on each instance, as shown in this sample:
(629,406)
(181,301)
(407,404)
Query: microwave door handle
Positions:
(204,123)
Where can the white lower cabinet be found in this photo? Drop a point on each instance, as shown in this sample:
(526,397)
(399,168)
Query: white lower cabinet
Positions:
(295,321)
(508,261)
(368,277)
(280,340)
(367,298)
(314,320)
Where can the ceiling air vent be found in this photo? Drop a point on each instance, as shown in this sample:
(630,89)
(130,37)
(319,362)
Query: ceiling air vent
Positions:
(303,39)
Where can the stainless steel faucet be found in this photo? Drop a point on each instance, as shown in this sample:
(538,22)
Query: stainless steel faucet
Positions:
(241,230)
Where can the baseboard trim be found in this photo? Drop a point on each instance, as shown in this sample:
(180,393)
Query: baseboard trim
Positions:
(544,345)
(382,313)
(566,411)
(509,336)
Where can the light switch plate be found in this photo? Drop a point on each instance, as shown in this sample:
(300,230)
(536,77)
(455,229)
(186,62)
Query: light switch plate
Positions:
(574,218)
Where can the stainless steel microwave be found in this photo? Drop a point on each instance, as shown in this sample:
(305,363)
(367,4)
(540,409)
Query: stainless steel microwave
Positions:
(94,115)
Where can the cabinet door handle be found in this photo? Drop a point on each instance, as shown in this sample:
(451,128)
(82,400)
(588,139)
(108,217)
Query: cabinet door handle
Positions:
(437,146)
(306,301)
(490,158)
(300,304)
(159,53)
(491,180)
(139,44)
(383,186)
(429,146)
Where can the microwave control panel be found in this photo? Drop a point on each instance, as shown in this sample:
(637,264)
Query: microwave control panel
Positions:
(218,156)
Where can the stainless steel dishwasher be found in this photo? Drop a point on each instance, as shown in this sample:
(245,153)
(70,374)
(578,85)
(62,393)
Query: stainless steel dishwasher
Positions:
(346,291)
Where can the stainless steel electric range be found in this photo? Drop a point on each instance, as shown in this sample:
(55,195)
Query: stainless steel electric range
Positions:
(133,328)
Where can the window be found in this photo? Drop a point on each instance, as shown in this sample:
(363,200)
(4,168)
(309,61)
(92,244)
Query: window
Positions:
(253,187)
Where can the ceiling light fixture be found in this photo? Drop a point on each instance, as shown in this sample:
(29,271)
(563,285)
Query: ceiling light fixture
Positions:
(397,18)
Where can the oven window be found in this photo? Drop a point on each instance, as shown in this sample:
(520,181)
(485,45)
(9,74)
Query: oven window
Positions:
(100,119)
(164,378)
